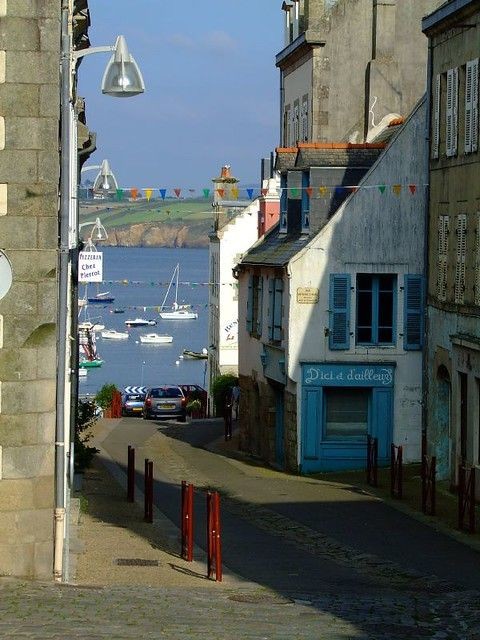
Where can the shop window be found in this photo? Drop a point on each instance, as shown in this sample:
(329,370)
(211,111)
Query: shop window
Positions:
(375,309)
(346,412)
(255,305)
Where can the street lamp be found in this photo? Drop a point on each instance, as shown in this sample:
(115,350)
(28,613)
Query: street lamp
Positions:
(122,78)
(105,182)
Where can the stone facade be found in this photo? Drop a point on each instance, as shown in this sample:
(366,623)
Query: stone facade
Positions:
(29,177)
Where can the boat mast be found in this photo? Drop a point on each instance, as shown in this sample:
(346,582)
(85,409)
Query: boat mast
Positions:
(177,269)
(168,290)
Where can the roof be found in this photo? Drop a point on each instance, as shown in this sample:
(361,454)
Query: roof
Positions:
(275,249)
(315,154)
(447,11)
(285,159)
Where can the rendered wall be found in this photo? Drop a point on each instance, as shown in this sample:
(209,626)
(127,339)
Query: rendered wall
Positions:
(29,174)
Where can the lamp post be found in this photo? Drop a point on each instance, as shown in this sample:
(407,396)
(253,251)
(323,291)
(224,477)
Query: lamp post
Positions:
(122,78)
(105,182)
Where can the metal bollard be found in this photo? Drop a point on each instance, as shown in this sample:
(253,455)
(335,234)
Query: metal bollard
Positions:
(214,542)
(148,516)
(187,521)
(131,474)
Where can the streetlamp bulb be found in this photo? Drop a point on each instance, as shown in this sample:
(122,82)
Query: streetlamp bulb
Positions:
(122,77)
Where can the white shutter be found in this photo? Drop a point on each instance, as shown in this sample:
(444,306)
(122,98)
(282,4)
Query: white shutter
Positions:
(477,262)
(460,258)
(455,111)
(436,118)
(468,107)
(474,129)
(442,264)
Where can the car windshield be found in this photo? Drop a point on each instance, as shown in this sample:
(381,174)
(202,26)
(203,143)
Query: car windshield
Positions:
(167,392)
(134,396)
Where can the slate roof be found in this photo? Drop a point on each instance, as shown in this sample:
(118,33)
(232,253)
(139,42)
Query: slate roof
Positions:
(276,249)
(337,155)
(285,159)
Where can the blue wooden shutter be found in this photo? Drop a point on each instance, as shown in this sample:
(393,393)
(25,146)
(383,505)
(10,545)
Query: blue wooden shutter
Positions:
(259,323)
(305,201)
(339,334)
(277,306)
(271,303)
(413,312)
(250,305)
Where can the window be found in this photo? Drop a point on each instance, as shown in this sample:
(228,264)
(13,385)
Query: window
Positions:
(255,305)
(296,122)
(283,203)
(375,309)
(346,412)
(305,201)
(275,309)
(339,325)
(305,118)
(460,258)
(442,263)
(286,126)
(413,308)
(451,114)
(471,106)
(436,117)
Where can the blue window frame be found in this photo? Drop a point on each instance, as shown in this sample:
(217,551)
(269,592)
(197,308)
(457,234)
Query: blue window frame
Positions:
(305,201)
(376,305)
(275,309)
(283,203)
(255,305)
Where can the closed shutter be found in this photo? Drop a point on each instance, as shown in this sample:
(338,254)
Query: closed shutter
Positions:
(451,121)
(271,304)
(278,310)
(259,323)
(305,201)
(442,264)
(468,107)
(460,258)
(413,312)
(436,118)
(475,98)
(339,333)
(250,305)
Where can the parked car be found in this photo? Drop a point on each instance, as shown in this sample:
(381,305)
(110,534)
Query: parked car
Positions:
(167,401)
(132,404)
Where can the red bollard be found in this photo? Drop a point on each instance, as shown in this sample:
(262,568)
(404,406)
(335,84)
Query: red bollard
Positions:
(148,517)
(131,474)
(214,541)
(187,521)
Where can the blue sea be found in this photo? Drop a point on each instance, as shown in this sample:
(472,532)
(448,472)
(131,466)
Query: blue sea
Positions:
(138,279)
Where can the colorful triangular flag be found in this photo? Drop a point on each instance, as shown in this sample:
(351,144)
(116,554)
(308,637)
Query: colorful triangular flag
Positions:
(382,188)
(206,193)
(163,193)
(309,191)
(119,194)
(250,193)
(397,188)
(134,193)
(235,193)
(177,192)
(413,188)
(148,194)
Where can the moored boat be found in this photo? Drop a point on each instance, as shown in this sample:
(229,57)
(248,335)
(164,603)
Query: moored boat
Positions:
(113,334)
(155,338)
(195,355)
(90,364)
(140,322)
(176,311)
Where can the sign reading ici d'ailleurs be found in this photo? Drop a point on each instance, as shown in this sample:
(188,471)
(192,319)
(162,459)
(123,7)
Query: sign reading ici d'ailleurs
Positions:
(90,266)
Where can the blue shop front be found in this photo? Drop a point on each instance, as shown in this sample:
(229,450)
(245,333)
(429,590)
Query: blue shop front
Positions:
(341,405)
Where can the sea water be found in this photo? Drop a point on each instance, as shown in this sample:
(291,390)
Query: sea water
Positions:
(138,278)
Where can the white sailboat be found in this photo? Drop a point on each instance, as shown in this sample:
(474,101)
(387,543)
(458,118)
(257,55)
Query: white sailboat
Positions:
(177,311)
(155,338)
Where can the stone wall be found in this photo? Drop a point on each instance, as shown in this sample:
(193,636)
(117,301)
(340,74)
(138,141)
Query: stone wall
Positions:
(29,175)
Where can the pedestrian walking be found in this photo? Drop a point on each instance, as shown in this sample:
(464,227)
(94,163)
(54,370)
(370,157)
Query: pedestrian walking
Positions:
(235,398)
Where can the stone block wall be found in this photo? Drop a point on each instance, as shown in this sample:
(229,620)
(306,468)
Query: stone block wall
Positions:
(29,178)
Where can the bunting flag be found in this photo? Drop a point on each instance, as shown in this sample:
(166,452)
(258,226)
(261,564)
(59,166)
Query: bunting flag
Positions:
(177,192)
(250,193)
(294,192)
(119,194)
(264,192)
(235,193)
(134,193)
(309,191)
(221,192)
(323,191)
(382,188)
(206,193)
(397,189)
(148,194)
(353,189)
(413,188)
(163,193)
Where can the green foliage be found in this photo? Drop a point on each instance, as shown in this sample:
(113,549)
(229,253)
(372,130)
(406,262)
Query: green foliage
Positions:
(104,397)
(193,405)
(86,418)
(221,388)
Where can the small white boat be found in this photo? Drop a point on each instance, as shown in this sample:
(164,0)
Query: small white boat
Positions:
(176,311)
(112,334)
(82,373)
(155,338)
(140,322)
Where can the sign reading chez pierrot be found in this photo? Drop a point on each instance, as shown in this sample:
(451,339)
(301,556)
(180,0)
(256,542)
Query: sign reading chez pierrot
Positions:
(344,375)
(90,266)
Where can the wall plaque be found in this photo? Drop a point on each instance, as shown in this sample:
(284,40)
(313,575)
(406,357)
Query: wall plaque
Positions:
(307,295)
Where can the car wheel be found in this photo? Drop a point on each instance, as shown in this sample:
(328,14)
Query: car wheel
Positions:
(182,418)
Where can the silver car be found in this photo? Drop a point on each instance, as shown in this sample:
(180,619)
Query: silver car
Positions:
(167,401)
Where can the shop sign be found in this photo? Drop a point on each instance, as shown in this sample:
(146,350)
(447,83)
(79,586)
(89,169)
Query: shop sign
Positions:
(344,375)
(307,295)
(90,266)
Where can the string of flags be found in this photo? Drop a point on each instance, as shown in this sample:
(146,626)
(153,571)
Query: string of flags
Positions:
(150,283)
(233,193)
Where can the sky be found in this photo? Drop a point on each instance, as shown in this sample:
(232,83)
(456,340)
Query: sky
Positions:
(212,90)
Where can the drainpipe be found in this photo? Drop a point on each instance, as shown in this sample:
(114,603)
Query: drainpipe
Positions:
(63,290)
(425,250)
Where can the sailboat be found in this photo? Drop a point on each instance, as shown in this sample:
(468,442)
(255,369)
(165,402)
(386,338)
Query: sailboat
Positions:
(177,311)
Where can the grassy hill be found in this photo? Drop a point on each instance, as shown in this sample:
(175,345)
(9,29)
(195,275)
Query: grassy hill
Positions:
(196,214)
